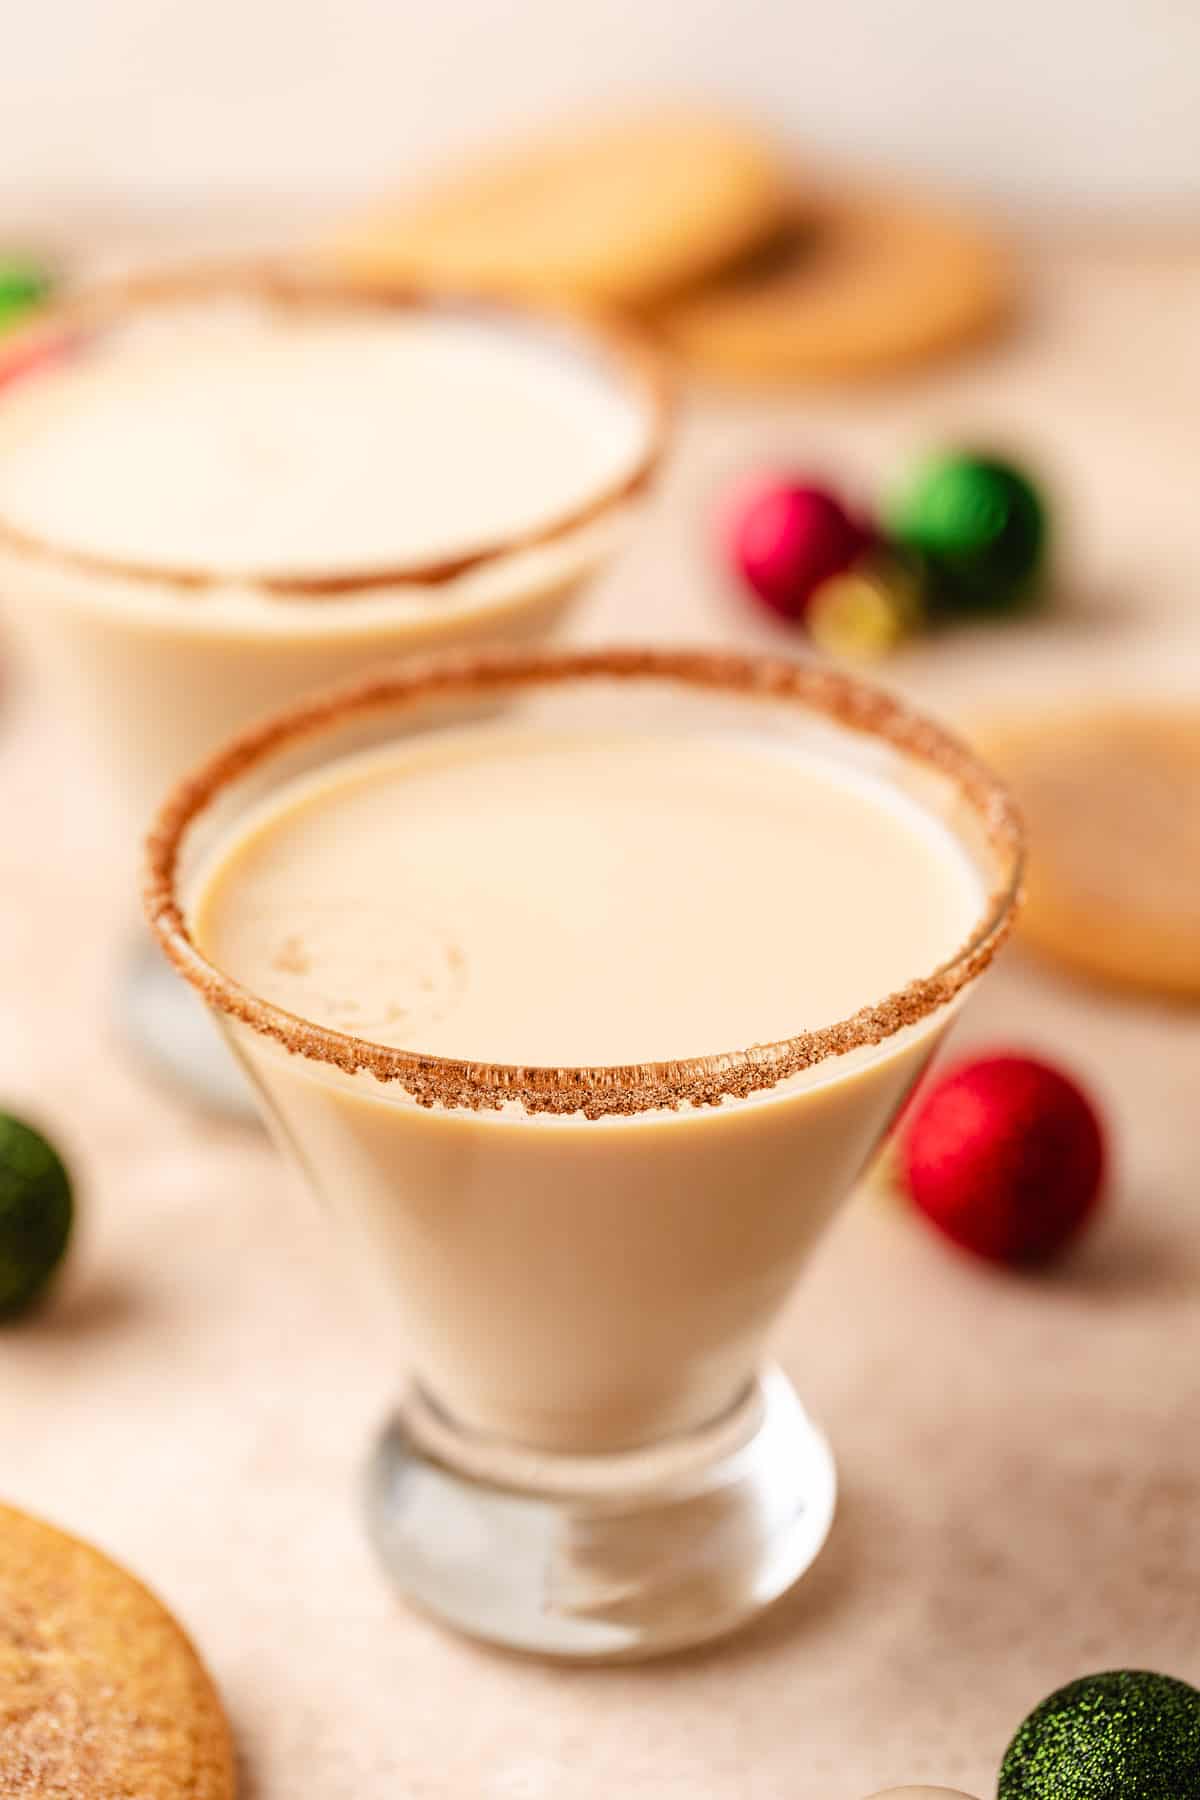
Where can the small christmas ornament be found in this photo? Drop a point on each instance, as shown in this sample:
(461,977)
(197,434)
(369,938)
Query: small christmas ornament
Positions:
(980,525)
(1128,1735)
(32,352)
(786,537)
(36,1211)
(1006,1156)
(868,610)
(24,285)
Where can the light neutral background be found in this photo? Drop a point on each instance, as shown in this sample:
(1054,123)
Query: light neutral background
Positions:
(1043,103)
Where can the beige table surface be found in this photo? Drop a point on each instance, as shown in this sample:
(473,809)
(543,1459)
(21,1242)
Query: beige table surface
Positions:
(1020,1458)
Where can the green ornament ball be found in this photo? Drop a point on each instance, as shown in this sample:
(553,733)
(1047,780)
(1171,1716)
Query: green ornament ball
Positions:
(36,1211)
(24,285)
(1127,1735)
(980,527)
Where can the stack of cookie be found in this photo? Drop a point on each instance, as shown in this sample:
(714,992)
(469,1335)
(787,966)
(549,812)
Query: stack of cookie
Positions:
(707,235)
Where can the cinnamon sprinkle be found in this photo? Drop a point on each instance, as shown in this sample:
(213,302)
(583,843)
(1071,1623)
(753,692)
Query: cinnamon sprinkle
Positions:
(82,318)
(623,1089)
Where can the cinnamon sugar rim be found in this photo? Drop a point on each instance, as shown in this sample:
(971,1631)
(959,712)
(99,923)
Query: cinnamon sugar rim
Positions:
(595,1091)
(629,361)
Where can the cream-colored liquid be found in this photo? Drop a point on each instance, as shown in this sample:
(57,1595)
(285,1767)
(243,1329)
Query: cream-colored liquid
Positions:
(574,1283)
(312,442)
(513,897)
(230,438)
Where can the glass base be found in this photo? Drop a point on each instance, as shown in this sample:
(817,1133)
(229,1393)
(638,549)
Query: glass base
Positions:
(171,1032)
(605,1558)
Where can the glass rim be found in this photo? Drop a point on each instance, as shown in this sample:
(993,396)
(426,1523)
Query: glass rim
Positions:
(632,364)
(603,1089)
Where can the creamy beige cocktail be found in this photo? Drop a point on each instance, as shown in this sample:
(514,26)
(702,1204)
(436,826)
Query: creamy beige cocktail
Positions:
(552,898)
(227,489)
(562,954)
(217,492)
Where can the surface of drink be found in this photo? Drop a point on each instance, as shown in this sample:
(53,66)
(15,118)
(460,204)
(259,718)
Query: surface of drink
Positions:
(217,497)
(227,438)
(511,895)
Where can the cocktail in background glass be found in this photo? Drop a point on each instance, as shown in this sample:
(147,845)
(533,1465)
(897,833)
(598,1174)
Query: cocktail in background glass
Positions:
(582,986)
(219,490)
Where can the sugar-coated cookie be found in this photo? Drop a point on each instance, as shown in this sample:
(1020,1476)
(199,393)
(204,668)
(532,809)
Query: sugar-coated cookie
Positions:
(101,1693)
(623,211)
(1111,797)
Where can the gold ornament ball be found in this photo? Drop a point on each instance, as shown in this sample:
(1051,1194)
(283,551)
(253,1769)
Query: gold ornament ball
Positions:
(867,611)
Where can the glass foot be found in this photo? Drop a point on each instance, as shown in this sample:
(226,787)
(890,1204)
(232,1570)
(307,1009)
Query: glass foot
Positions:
(603,1558)
(171,1032)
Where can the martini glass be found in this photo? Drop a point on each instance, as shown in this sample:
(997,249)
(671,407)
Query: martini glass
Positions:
(594,1458)
(221,489)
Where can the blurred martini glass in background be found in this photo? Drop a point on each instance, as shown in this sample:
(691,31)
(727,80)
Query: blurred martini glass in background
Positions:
(222,489)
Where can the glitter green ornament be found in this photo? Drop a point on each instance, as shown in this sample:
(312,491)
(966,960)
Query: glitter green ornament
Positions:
(36,1212)
(1127,1735)
(980,526)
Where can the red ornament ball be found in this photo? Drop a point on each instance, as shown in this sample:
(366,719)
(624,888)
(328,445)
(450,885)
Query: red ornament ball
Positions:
(31,353)
(785,538)
(1006,1156)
